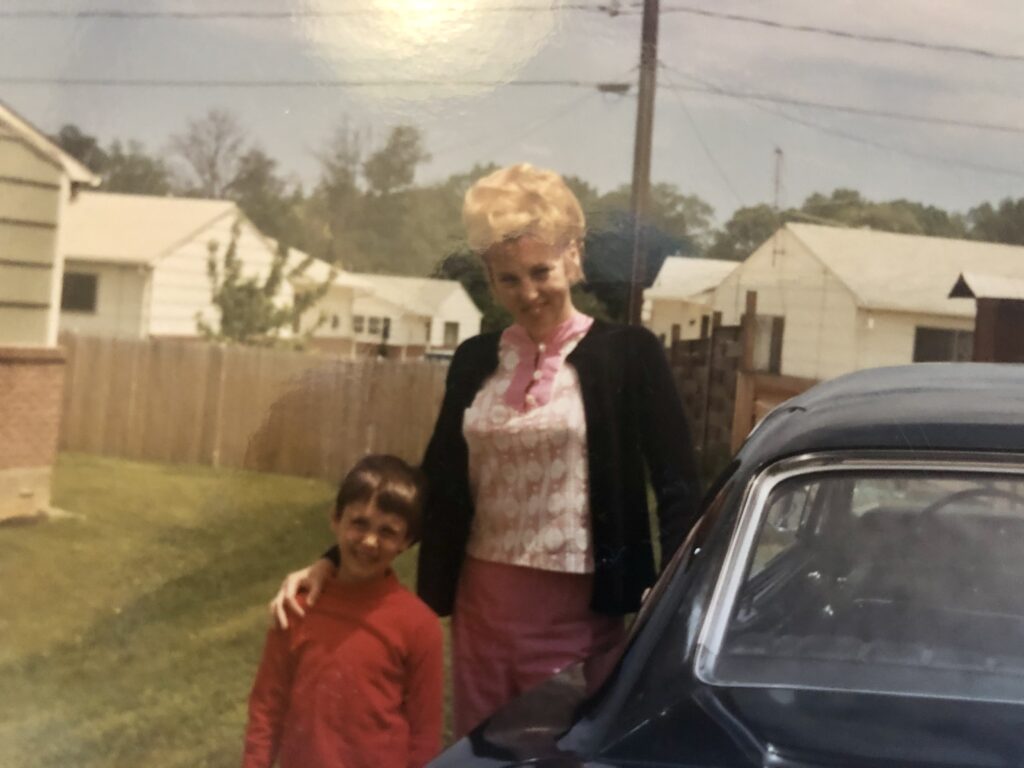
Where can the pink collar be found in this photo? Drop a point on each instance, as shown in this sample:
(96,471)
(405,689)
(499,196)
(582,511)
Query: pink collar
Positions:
(538,363)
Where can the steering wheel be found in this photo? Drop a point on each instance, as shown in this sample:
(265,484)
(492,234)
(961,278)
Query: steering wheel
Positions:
(932,510)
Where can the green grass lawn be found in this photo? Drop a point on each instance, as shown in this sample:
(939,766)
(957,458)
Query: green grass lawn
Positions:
(129,635)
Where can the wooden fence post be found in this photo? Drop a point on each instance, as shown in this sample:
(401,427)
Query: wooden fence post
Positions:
(743,408)
(716,322)
(748,323)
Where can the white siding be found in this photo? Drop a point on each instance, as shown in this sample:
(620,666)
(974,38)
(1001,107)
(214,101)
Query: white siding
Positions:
(887,338)
(457,308)
(668,312)
(406,329)
(18,161)
(337,303)
(23,327)
(30,195)
(180,284)
(819,311)
(120,301)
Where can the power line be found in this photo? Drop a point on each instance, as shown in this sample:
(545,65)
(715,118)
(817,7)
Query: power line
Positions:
(105,82)
(848,34)
(604,86)
(952,122)
(925,156)
(262,15)
(531,127)
(826,129)
(700,140)
(611,9)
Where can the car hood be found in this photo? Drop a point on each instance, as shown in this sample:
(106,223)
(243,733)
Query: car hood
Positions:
(788,727)
(747,727)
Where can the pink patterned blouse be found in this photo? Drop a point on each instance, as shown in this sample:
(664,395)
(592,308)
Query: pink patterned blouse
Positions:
(527,439)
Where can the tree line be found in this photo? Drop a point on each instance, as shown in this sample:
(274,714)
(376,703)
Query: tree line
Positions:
(365,212)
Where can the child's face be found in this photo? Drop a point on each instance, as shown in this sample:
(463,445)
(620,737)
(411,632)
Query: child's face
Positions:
(369,540)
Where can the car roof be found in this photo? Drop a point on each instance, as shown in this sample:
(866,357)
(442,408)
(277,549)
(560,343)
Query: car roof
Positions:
(922,407)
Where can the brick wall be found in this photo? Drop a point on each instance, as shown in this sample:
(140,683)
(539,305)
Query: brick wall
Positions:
(31,384)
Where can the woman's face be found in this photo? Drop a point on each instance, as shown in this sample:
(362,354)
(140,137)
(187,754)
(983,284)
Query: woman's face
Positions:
(532,279)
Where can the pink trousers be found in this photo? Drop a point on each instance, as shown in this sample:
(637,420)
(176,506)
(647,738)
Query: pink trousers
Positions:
(513,627)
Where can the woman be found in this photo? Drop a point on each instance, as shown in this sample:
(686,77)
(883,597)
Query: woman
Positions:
(536,536)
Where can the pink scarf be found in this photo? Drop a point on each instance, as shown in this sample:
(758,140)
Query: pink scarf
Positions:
(539,362)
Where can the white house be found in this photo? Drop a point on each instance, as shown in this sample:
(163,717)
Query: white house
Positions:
(848,299)
(37,182)
(413,314)
(331,316)
(681,296)
(136,265)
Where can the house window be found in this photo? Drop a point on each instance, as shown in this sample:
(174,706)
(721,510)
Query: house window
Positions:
(385,330)
(451,334)
(335,322)
(374,325)
(426,332)
(357,323)
(939,345)
(79,292)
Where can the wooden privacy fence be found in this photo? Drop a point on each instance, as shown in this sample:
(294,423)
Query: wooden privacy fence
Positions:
(247,408)
(724,385)
(705,371)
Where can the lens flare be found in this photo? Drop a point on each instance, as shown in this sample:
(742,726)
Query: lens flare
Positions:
(433,41)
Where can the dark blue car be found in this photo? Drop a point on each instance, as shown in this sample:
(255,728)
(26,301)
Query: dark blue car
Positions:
(853,596)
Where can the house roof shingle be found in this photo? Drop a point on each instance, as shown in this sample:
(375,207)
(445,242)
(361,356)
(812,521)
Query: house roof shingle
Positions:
(974,285)
(136,229)
(420,295)
(907,273)
(681,277)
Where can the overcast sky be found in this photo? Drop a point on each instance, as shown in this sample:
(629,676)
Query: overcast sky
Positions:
(721,148)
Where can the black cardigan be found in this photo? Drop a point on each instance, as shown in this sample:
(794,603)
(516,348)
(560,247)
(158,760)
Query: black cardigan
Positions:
(633,416)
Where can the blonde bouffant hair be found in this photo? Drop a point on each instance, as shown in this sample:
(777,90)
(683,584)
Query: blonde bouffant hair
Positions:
(519,201)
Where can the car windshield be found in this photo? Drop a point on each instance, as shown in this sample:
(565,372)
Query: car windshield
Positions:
(881,581)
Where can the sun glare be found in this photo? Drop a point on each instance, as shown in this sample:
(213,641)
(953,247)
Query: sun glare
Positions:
(446,41)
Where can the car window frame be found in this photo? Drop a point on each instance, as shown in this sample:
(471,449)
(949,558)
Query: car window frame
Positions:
(754,507)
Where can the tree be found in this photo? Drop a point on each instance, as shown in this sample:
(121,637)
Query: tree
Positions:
(333,210)
(251,311)
(744,232)
(129,168)
(212,148)
(608,261)
(670,211)
(393,166)
(268,200)
(81,146)
(122,167)
(1002,224)
(847,206)
(751,226)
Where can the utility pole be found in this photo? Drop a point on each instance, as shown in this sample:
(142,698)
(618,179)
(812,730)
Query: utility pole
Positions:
(641,189)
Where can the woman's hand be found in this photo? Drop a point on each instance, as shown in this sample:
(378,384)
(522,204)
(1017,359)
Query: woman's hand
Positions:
(309,580)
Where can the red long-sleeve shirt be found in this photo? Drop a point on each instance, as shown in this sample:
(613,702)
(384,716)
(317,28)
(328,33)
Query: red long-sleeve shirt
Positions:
(357,682)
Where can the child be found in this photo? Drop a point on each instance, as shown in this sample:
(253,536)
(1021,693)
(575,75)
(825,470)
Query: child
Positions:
(358,682)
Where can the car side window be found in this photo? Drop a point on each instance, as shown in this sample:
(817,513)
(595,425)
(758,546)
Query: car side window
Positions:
(785,521)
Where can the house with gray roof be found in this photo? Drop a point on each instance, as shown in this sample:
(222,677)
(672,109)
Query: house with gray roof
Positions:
(849,299)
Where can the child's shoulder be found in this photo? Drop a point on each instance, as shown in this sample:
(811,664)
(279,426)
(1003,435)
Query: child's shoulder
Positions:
(416,612)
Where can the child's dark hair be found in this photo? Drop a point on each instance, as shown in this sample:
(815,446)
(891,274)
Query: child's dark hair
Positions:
(391,484)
